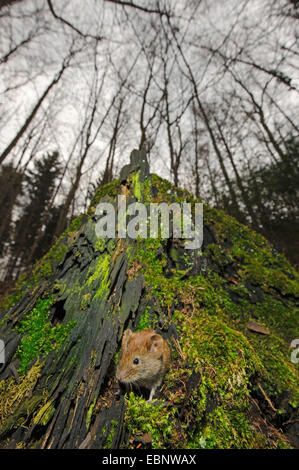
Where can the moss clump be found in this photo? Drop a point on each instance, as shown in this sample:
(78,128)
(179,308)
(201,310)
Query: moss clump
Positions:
(112,431)
(137,186)
(13,394)
(40,336)
(100,244)
(225,361)
(163,190)
(110,189)
(153,270)
(154,418)
(279,373)
(252,255)
(144,322)
(77,223)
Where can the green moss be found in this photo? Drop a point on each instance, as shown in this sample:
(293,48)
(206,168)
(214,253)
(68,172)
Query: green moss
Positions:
(77,223)
(228,429)
(89,414)
(245,279)
(255,258)
(217,410)
(164,191)
(279,374)
(111,189)
(116,358)
(100,244)
(144,322)
(137,186)
(45,267)
(99,273)
(44,270)
(112,431)
(269,278)
(212,321)
(40,337)
(164,288)
(94,286)
(141,189)
(154,418)
(57,252)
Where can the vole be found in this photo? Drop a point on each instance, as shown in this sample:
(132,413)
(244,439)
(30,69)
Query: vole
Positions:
(144,360)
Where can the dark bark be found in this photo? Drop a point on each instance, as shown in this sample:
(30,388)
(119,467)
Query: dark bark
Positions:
(108,172)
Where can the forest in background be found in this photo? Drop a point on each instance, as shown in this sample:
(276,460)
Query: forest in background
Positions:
(210,89)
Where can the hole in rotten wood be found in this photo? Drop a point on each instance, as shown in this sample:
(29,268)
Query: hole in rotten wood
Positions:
(57,312)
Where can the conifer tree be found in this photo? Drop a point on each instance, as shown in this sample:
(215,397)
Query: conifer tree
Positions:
(11,188)
(33,221)
(47,237)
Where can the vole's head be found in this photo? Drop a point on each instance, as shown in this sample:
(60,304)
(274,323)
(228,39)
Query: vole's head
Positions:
(141,356)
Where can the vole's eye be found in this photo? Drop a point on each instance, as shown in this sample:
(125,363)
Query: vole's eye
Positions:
(136,360)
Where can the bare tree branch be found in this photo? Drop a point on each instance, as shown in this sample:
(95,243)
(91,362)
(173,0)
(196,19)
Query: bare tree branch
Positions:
(70,25)
(139,7)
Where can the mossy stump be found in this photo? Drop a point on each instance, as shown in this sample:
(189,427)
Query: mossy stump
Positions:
(229,386)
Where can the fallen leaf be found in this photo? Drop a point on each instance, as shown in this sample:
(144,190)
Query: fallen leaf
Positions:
(257,328)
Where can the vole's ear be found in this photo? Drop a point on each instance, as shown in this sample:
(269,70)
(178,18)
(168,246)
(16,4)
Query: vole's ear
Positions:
(126,336)
(154,343)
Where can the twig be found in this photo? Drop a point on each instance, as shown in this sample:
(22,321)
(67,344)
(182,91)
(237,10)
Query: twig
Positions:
(267,398)
(177,345)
